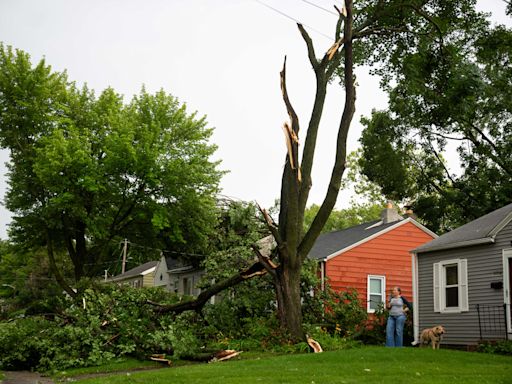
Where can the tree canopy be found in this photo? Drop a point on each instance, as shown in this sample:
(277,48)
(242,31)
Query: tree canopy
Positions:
(86,171)
(458,96)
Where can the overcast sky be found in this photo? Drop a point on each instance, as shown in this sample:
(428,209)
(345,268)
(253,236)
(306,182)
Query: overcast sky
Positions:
(221,58)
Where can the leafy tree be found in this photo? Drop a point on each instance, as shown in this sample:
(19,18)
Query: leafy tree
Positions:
(87,171)
(458,95)
(344,218)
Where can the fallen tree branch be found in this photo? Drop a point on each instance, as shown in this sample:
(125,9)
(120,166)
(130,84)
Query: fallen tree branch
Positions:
(257,269)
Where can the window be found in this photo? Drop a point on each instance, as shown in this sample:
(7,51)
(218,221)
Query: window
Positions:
(450,286)
(376,292)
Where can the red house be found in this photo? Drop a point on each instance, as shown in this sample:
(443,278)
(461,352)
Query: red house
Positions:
(372,257)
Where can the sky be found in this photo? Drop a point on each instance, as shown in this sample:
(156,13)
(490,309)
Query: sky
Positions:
(221,58)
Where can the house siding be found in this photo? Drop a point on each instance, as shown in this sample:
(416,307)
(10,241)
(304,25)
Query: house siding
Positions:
(161,277)
(385,255)
(148,280)
(485,265)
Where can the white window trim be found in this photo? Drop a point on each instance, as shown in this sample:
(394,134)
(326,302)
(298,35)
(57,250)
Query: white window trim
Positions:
(383,293)
(439,283)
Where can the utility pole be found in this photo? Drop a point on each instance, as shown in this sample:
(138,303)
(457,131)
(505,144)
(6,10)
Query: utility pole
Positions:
(125,249)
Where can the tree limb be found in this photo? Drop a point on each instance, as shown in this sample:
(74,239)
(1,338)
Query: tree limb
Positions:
(341,143)
(311,49)
(257,269)
(55,270)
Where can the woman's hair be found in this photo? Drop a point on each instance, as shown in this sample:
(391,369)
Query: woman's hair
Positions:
(398,289)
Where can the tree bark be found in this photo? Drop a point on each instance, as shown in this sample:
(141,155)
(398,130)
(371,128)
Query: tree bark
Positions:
(287,285)
(55,270)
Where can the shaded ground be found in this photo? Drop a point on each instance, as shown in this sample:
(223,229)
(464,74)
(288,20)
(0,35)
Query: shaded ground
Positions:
(25,377)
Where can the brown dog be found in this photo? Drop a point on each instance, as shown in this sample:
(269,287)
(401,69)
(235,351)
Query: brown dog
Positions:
(432,336)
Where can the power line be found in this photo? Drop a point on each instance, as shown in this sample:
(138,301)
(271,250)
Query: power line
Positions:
(166,251)
(294,19)
(319,7)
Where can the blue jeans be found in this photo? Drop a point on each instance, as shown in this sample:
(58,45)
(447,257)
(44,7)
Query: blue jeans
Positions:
(395,331)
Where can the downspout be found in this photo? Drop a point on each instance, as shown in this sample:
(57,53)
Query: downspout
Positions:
(415,312)
(322,274)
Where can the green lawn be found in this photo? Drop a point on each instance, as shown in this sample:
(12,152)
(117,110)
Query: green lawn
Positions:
(361,365)
(125,364)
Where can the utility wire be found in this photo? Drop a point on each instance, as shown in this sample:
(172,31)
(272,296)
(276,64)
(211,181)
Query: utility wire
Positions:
(319,7)
(294,19)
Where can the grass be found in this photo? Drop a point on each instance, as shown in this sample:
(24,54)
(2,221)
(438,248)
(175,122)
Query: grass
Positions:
(362,365)
(125,364)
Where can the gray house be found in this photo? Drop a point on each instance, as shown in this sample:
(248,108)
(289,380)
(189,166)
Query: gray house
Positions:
(177,277)
(463,280)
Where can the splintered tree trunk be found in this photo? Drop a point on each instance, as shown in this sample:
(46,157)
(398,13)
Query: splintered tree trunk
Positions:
(289,301)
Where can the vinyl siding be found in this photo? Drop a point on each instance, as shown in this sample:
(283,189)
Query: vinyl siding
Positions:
(485,266)
(386,255)
(148,280)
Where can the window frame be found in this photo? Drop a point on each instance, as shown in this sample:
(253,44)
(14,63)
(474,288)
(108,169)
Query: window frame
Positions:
(440,286)
(382,278)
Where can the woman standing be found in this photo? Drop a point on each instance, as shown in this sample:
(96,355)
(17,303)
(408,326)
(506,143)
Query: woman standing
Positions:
(396,318)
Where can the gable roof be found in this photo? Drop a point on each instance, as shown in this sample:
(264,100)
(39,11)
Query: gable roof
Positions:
(141,270)
(332,244)
(480,231)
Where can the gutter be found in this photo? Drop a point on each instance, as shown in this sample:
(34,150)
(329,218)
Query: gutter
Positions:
(461,244)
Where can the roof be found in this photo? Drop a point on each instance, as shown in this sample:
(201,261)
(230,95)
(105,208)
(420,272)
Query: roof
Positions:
(172,263)
(480,231)
(333,243)
(137,271)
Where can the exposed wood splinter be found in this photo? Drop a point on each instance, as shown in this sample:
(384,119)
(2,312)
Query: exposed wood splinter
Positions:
(315,345)
(334,48)
(291,139)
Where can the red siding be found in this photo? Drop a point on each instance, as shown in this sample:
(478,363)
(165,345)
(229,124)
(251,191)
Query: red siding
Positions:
(386,255)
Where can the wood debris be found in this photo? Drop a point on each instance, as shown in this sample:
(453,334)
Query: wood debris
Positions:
(315,345)
(160,358)
(224,355)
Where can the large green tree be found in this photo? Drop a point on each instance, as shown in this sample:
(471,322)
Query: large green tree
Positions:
(458,96)
(86,171)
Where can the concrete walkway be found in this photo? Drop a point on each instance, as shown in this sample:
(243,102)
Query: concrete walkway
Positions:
(25,377)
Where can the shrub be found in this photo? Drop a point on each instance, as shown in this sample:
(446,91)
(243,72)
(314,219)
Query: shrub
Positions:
(502,347)
(339,313)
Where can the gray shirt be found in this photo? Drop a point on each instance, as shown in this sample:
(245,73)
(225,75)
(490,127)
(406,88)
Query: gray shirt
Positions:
(397,306)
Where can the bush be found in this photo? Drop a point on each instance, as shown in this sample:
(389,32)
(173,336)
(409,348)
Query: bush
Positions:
(339,313)
(502,347)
